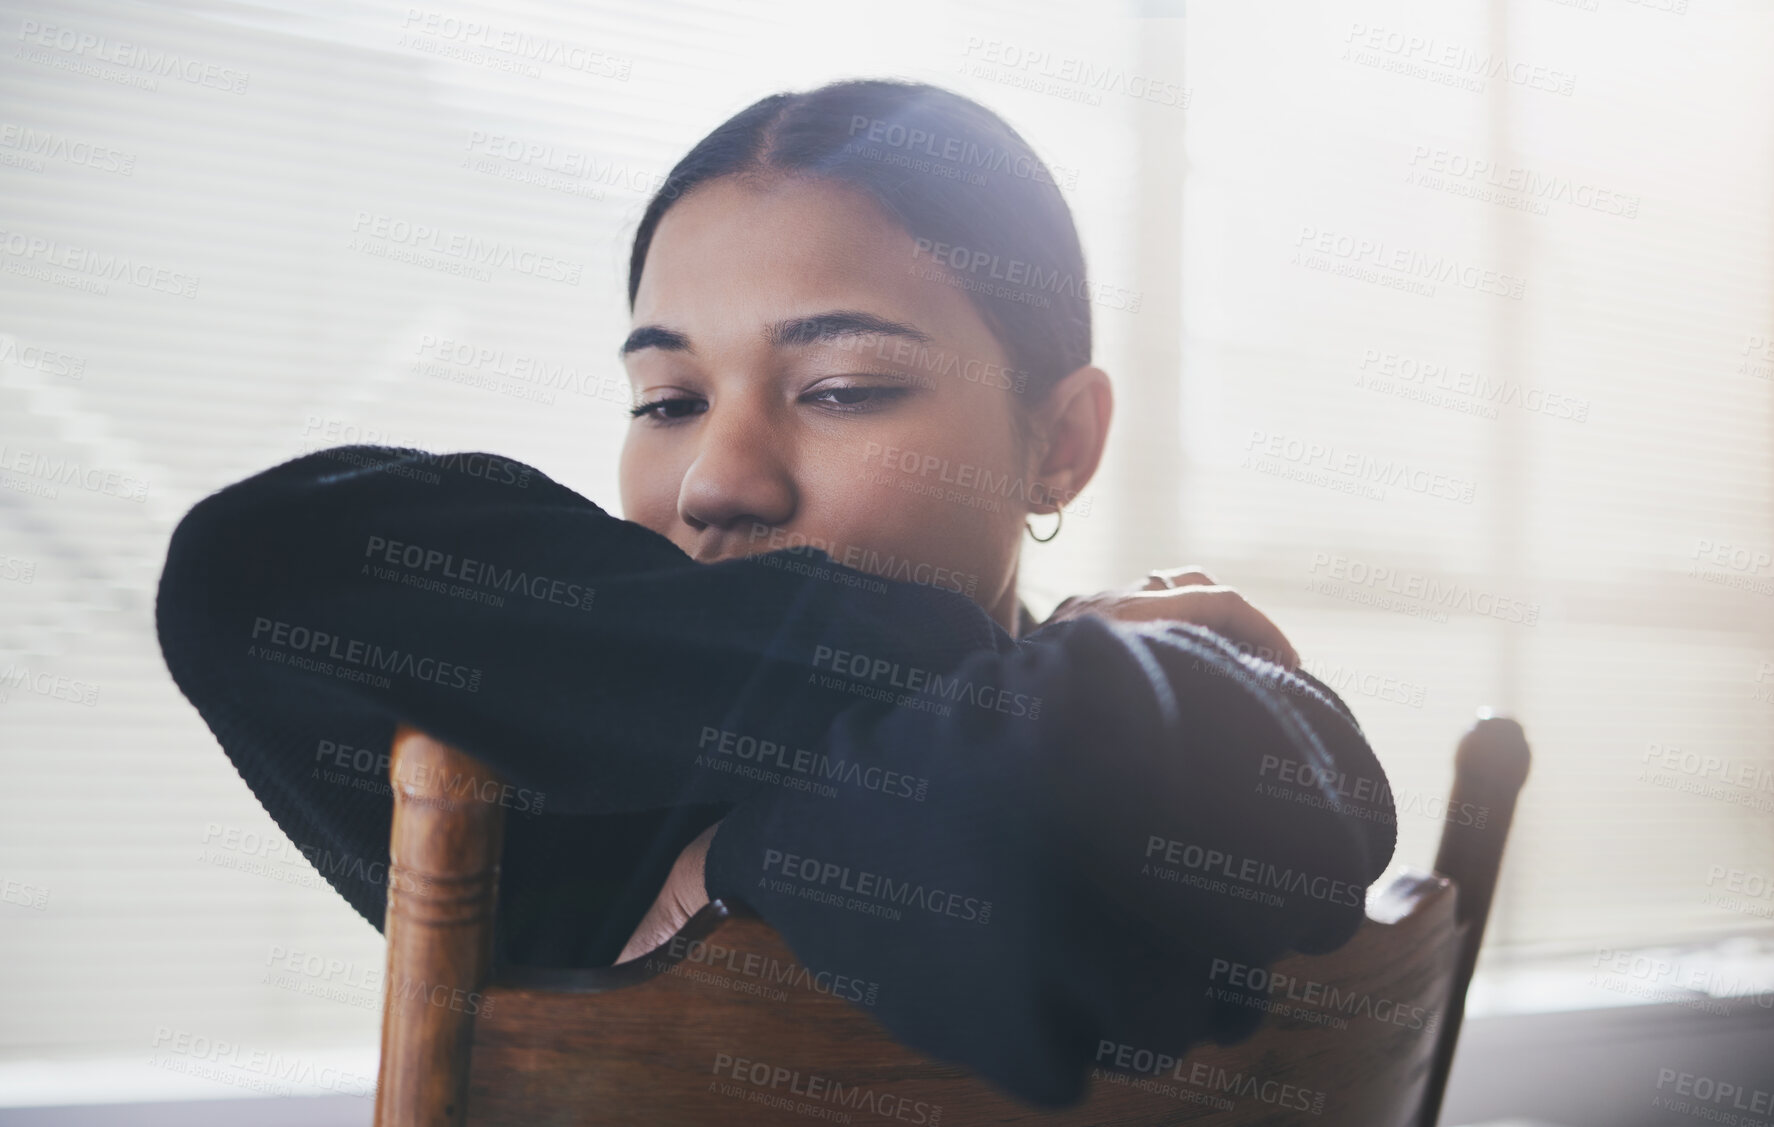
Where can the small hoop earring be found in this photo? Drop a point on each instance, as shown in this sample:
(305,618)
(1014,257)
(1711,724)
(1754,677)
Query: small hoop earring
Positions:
(1059,516)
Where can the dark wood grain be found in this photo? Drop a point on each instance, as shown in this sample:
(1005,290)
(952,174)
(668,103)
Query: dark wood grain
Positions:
(596,1046)
(443,877)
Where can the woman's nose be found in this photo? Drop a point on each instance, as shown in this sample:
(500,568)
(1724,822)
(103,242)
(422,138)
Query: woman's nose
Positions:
(741,472)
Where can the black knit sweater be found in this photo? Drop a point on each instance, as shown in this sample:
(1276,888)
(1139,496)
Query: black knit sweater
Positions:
(1030,846)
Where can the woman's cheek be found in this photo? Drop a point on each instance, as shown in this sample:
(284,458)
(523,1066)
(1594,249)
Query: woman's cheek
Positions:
(649,483)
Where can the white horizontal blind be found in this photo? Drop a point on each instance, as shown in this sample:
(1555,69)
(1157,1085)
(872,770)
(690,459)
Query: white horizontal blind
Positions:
(1477,398)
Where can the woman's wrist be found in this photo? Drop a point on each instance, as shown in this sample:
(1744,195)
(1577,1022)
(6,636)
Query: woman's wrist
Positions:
(682,896)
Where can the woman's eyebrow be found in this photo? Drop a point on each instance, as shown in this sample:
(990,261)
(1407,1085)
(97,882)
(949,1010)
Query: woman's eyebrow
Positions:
(840,323)
(655,336)
(796,331)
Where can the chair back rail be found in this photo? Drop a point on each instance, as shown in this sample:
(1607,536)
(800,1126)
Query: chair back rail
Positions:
(722,1024)
(728,1027)
(1490,767)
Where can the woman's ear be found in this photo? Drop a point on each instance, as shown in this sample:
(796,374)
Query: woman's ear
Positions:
(1071,426)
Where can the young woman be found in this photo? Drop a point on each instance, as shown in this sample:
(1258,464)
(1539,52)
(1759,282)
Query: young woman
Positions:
(798,674)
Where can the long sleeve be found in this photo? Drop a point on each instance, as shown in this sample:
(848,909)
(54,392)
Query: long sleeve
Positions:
(1031,847)
(1071,880)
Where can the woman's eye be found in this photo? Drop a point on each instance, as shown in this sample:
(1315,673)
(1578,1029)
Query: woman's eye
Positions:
(671,407)
(859,398)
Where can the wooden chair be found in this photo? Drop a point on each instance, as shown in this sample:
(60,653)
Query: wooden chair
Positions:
(722,1025)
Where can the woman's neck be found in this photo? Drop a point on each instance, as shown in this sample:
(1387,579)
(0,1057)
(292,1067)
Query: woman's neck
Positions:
(1008,612)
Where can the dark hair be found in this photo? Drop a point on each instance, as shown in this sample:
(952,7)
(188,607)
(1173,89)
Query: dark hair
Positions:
(967,182)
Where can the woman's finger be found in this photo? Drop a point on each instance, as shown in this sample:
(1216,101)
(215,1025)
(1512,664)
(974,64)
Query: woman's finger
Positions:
(1188,575)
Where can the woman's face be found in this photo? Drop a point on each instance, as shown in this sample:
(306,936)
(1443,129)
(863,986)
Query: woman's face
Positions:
(802,379)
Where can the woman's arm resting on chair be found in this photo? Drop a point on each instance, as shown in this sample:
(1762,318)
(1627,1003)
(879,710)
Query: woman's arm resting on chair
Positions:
(1186,594)
(1029,846)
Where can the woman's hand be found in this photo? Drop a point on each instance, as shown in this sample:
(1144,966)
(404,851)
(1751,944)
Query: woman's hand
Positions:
(1188,594)
(683,896)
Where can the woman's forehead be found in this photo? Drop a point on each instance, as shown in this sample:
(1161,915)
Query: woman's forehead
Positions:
(732,256)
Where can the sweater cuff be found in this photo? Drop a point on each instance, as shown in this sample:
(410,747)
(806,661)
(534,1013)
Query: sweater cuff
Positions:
(733,862)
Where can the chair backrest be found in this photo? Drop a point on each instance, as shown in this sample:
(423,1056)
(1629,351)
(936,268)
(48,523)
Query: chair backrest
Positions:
(721,1024)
